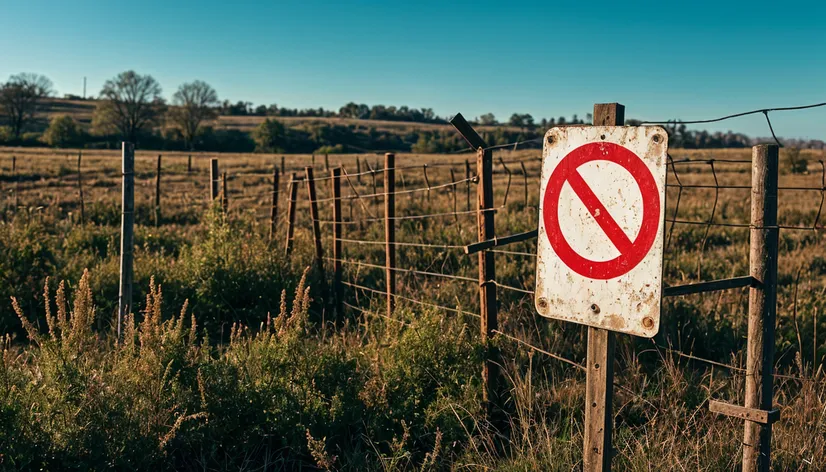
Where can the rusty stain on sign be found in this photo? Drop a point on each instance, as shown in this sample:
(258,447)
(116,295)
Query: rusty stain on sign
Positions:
(601,227)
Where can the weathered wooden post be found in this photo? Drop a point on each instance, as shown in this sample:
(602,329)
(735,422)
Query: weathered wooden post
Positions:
(358,170)
(338,287)
(390,229)
(291,203)
(274,206)
(762,306)
(16,179)
(467,182)
(326,162)
(487,271)
(599,389)
(189,164)
(319,251)
(487,279)
(126,234)
(224,196)
(158,193)
(525,177)
(213,180)
(80,188)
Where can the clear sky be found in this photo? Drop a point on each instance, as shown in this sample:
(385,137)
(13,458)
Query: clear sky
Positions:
(668,59)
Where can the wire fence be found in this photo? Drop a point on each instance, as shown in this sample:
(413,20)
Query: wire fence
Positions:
(706,237)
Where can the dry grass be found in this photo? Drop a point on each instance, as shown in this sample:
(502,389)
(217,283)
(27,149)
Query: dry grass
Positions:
(661,410)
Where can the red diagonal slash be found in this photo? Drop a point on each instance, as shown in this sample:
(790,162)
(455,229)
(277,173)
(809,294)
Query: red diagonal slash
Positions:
(600,213)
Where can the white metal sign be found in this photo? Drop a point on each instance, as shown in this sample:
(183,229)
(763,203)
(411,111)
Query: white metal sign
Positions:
(601,227)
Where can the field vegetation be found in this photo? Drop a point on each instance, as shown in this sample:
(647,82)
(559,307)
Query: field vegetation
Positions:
(233,359)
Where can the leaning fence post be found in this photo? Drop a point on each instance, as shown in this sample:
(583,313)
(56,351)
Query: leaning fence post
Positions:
(126,234)
(158,193)
(338,288)
(80,188)
(599,388)
(274,207)
(319,252)
(291,203)
(213,179)
(390,229)
(487,278)
(762,305)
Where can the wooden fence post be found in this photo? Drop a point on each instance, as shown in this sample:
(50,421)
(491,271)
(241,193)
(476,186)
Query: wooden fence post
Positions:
(274,207)
(80,188)
(126,234)
(599,388)
(326,162)
(213,179)
(224,196)
(189,164)
(291,203)
(467,182)
(16,179)
(319,251)
(525,177)
(313,162)
(158,193)
(390,229)
(358,170)
(338,288)
(762,305)
(487,279)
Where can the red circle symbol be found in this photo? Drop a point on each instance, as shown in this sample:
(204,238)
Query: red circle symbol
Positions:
(631,252)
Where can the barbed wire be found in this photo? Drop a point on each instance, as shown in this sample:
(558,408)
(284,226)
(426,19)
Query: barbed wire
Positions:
(764,111)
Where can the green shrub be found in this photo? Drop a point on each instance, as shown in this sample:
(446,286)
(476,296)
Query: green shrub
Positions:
(63,131)
(795,163)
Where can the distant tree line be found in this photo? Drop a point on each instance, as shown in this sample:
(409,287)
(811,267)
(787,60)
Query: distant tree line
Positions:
(130,107)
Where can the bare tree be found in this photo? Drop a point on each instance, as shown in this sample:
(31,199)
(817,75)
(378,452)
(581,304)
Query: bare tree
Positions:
(130,103)
(20,96)
(193,103)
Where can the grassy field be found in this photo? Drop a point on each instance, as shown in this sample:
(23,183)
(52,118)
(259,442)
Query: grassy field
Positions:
(83,110)
(237,362)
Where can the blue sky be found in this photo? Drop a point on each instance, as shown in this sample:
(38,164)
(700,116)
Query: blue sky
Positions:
(663,60)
